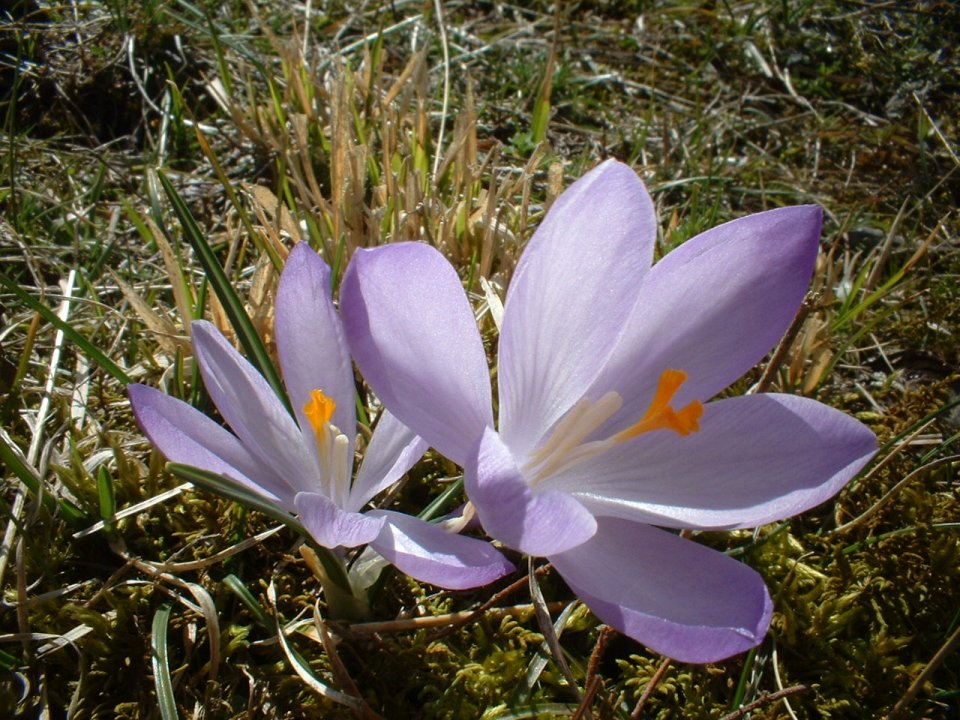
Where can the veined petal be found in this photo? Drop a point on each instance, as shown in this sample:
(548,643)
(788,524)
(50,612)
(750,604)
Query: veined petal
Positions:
(251,408)
(756,459)
(681,599)
(413,334)
(569,298)
(331,526)
(533,520)
(714,307)
(432,555)
(185,435)
(310,342)
(393,449)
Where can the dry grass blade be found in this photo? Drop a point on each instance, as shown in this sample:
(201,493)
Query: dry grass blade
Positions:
(212,622)
(178,282)
(302,670)
(551,636)
(891,493)
(39,423)
(163,329)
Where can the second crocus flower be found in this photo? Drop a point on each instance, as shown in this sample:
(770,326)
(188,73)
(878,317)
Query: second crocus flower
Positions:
(304,464)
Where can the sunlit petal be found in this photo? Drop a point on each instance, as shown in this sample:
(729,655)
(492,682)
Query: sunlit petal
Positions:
(714,307)
(392,451)
(756,459)
(253,410)
(310,342)
(333,527)
(570,296)
(430,554)
(413,334)
(185,435)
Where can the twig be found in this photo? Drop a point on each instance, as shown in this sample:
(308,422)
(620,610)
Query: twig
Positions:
(583,709)
(455,619)
(497,597)
(593,665)
(936,661)
(892,491)
(888,458)
(648,690)
(765,699)
(809,302)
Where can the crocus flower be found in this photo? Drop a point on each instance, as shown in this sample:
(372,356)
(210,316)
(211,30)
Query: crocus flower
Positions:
(607,432)
(304,465)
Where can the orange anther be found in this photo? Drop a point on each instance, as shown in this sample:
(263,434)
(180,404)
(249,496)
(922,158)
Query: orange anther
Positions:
(319,410)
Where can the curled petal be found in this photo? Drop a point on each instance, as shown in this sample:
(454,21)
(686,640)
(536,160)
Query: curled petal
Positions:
(681,599)
(310,342)
(413,334)
(714,307)
(333,527)
(756,459)
(430,554)
(533,520)
(185,435)
(571,294)
(393,450)
(252,409)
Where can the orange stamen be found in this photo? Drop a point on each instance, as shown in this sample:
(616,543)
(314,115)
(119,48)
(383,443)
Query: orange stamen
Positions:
(660,416)
(319,410)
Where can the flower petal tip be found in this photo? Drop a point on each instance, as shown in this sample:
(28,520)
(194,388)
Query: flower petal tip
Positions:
(681,599)
(333,527)
(430,554)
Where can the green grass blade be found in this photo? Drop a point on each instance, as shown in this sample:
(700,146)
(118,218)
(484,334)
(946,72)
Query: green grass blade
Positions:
(78,339)
(107,497)
(442,501)
(251,342)
(741,691)
(8,662)
(237,587)
(219,485)
(161,664)
(16,465)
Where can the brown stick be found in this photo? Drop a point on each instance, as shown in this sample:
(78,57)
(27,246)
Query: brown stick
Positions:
(809,303)
(948,647)
(651,686)
(765,699)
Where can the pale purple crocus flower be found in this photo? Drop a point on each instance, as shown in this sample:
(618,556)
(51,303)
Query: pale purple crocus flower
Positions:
(607,431)
(304,464)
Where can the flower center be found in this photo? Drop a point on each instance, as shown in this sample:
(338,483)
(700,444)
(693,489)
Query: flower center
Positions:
(566,447)
(333,446)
